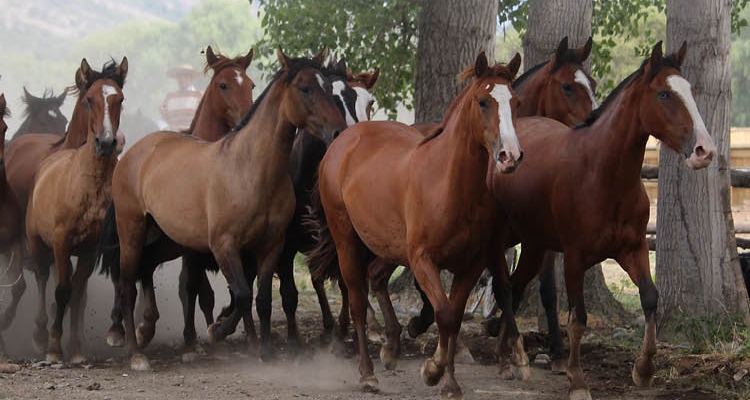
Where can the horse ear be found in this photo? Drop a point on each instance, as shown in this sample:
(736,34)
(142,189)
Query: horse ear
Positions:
(656,56)
(514,65)
(562,48)
(372,78)
(583,53)
(61,98)
(283,59)
(28,97)
(247,59)
(480,65)
(2,104)
(318,59)
(83,74)
(122,69)
(341,67)
(210,56)
(681,53)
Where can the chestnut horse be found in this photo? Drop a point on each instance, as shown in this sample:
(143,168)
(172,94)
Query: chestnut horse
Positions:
(239,197)
(71,193)
(388,192)
(10,230)
(24,155)
(43,114)
(580,193)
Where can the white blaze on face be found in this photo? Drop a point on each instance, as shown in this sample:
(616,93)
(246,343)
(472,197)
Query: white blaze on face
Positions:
(584,81)
(364,99)
(502,96)
(238,77)
(52,113)
(681,87)
(107,91)
(338,89)
(321,81)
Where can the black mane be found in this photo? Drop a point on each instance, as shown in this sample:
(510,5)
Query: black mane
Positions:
(528,73)
(33,103)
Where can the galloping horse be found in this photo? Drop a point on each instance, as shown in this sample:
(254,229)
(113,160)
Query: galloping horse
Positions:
(71,193)
(580,192)
(239,197)
(43,114)
(24,155)
(10,228)
(388,192)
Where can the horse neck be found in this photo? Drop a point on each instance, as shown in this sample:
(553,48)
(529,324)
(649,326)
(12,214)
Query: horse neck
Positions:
(529,93)
(89,164)
(306,154)
(77,131)
(209,123)
(617,140)
(24,128)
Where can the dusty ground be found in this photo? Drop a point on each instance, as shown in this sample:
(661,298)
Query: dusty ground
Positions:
(229,371)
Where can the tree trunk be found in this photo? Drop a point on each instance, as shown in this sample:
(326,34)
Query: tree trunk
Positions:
(549,22)
(451,34)
(698,273)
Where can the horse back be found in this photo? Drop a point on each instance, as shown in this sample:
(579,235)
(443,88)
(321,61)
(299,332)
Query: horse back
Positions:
(23,156)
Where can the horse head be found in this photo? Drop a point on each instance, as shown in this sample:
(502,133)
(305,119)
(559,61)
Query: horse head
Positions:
(491,106)
(668,109)
(230,91)
(43,113)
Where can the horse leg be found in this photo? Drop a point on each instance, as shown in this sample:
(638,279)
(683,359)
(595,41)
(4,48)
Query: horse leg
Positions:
(18,286)
(636,264)
(508,338)
(188,290)
(227,255)
(251,271)
(132,234)
(84,269)
(345,310)
(289,296)
(268,259)
(574,271)
(41,261)
(391,349)
(63,290)
(548,294)
(325,308)
(147,328)
(419,324)
(206,298)
(116,332)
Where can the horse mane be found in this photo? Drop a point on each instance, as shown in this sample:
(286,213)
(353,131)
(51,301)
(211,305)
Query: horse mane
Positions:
(33,103)
(295,66)
(528,73)
(109,71)
(668,61)
(498,70)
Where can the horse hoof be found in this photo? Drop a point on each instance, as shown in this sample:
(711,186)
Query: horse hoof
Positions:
(199,350)
(266,353)
(579,394)
(215,333)
(143,336)
(39,342)
(78,359)
(115,338)
(643,372)
(451,391)
(54,357)
(431,373)
(415,327)
(369,384)
(521,372)
(506,373)
(388,359)
(189,357)
(559,366)
(139,362)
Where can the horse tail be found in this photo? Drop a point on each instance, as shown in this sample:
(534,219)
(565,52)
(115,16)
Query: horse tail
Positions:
(108,247)
(322,259)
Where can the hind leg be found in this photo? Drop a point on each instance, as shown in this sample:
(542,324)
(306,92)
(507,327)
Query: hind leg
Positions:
(41,260)
(574,271)
(17,284)
(63,291)
(420,323)
(84,269)
(189,286)
(289,296)
(380,271)
(147,328)
(636,264)
(548,294)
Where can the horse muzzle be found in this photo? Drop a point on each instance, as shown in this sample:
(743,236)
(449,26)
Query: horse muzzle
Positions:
(704,150)
(507,161)
(105,147)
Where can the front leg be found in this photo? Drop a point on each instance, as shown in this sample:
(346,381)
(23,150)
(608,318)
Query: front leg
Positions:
(268,259)
(63,290)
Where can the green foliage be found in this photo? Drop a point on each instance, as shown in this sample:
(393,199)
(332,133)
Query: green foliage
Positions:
(368,34)
(716,335)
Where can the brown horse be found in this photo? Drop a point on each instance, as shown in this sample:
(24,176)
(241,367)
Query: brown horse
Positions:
(10,229)
(580,192)
(43,114)
(24,155)
(238,197)
(388,192)
(71,193)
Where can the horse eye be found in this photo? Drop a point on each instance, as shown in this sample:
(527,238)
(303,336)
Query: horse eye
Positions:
(223,86)
(483,103)
(305,89)
(567,87)
(664,94)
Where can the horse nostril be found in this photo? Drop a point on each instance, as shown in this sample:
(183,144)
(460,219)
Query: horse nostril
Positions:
(699,151)
(520,156)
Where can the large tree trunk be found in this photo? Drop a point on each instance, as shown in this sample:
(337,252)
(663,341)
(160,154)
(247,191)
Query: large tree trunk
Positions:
(697,271)
(550,21)
(451,34)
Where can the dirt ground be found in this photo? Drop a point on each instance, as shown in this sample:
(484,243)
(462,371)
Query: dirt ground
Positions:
(230,371)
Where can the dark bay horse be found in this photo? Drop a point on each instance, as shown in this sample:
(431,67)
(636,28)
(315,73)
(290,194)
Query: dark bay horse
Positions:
(24,155)
(43,114)
(71,193)
(238,198)
(580,192)
(388,192)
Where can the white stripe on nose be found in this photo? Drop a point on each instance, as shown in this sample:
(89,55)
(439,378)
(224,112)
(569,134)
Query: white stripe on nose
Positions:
(364,98)
(107,91)
(584,80)
(681,86)
(321,81)
(502,96)
(338,88)
(238,77)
